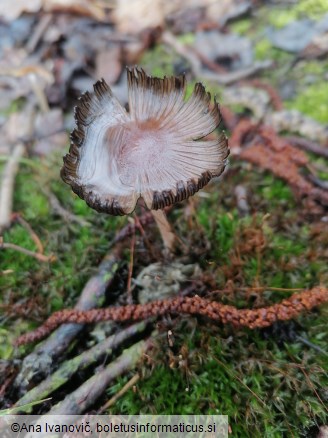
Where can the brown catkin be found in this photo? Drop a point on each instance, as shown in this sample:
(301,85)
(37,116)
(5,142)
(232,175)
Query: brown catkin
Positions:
(253,318)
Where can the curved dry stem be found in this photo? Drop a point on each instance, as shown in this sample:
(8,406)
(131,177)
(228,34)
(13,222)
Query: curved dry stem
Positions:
(168,236)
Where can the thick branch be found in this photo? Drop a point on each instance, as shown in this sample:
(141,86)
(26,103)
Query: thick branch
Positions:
(41,360)
(68,368)
(85,396)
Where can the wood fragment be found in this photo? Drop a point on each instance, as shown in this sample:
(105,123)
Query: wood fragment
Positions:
(68,368)
(241,197)
(42,359)
(308,145)
(7,186)
(130,228)
(85,396)
(134,379)
(40,257)
(66,215)
(38,32)
(196,65)
(32,233)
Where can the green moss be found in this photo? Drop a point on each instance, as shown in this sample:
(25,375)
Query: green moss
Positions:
(314,67)
(281,17)
(159,61)
(241,26)
(257,382)
(263,49)
(187,38)
(226,225)
(275,190)
(14,107)
(311,8)
(312,100)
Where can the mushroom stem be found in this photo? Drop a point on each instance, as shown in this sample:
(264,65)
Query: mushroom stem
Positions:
(165,229)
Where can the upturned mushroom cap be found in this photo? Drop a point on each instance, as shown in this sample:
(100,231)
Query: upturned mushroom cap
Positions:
(157,150)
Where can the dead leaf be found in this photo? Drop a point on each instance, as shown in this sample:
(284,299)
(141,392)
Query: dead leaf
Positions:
(108,64)
(10,10)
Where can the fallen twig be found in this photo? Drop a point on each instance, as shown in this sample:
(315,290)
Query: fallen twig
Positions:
(196,64)
(130,228)
(40,257)
(85,396)
(275,98)
(41,360)
(38,32)
(308,145)
(68,368)
(318,182)
(120,393)
(252,318)
(7,186)
(241,198)
(62,212)
(32,233)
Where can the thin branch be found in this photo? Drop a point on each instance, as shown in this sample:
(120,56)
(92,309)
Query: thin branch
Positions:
(7,186)
(41,360)
(32,233)
(62,212)
(40,257)
(241,198)
(134,379)
(38,32)
(196,64)
(129,282)
(308,145)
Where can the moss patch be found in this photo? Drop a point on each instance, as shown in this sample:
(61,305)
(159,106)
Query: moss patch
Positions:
(312,100)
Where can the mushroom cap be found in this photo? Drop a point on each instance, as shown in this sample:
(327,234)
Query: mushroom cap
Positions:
(157,150)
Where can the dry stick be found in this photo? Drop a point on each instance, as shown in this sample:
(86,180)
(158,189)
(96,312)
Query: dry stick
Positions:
(62,212)
(129,282)
(287,309)
(127,231)
(307,145)
(40,361)
(241,198)
(196,65)
(38,90)
(68,368)
(85,396)
(318,182)
(7,186)
(40,257)
(120,393)
(32,233)
(38,32)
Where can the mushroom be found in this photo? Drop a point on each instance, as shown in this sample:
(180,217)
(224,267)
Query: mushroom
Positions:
(157,151)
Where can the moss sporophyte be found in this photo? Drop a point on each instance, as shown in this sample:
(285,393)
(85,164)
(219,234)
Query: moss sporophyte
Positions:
(158,151)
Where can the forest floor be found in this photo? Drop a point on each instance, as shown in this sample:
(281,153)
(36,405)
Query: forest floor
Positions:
(250,239)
